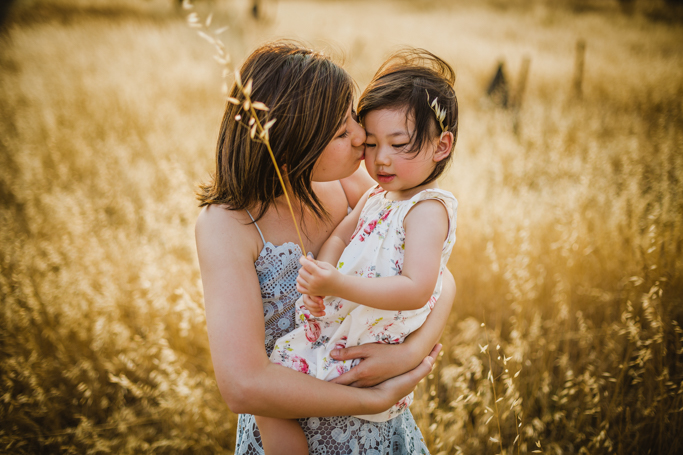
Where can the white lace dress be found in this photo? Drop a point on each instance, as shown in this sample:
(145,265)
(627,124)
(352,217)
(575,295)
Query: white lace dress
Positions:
(277,268)
(376,250)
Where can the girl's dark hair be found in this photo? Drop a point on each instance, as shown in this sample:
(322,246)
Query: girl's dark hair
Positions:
(403,81)
(308,96)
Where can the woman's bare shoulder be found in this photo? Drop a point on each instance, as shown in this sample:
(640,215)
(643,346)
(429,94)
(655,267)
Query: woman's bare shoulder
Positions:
(218,227)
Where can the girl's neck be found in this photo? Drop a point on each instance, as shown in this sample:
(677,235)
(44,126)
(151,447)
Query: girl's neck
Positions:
(404,195)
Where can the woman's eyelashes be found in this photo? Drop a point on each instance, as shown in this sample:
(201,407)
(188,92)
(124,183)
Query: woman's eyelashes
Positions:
(343,135)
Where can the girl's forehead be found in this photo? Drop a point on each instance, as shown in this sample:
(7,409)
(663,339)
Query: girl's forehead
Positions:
(388,122)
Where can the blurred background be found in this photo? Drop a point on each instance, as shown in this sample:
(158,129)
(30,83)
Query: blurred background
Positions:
(565,335)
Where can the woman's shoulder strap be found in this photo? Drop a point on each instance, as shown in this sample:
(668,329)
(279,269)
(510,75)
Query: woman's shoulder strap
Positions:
(257,228)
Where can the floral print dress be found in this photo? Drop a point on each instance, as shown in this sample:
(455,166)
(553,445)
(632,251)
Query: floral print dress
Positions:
(376,250)
(277,268)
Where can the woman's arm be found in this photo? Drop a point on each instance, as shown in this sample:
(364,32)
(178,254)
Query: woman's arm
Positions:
(356,185)
(378,361)
(426,227)
(246,378)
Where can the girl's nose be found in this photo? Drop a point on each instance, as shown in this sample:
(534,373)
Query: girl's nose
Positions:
(382,157)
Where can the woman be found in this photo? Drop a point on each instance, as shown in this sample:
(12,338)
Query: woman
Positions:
(248,254)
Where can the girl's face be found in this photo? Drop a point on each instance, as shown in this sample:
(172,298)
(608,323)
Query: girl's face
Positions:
(388,138)
(343,154)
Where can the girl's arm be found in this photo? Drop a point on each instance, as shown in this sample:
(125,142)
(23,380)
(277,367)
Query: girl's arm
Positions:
(378,361)
(246,378)
(333,247)
(332,250)
(410,290)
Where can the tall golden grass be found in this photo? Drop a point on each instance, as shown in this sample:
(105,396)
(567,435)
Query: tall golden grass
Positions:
(565,335)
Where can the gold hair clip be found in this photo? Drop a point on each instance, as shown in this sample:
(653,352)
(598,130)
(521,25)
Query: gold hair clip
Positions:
(440,113)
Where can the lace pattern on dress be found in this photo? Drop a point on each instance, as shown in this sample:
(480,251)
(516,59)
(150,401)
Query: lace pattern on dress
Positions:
(343,436)
(277,268)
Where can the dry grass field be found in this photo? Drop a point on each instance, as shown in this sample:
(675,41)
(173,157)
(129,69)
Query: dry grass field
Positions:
(565,335)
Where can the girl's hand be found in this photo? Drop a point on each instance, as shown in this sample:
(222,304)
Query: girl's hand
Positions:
(378,363)
(317,278)
(315,305)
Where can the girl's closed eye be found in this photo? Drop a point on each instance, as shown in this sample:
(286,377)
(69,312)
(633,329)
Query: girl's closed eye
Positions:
(395,146)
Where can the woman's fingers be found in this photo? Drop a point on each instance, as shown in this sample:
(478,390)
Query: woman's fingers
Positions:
(354,352)
(427,364)
(420,372)
(402,385)
(424,368)
(356,376)
(348,378)
(435,351)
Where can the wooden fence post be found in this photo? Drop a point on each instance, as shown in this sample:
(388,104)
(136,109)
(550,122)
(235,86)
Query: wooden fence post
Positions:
(577,83)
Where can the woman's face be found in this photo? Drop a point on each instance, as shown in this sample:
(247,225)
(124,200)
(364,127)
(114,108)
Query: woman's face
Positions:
(343,154)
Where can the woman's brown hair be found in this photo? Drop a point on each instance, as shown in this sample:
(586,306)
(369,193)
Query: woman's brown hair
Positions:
(308,96)
(412,79)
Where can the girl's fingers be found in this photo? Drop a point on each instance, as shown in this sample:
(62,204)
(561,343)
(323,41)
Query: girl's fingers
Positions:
(304,274)
(319,305)
(313,307)
(303,282)
(306,262)
(308,265)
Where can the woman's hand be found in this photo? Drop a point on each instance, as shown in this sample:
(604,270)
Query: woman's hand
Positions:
(396,388)
(378,363)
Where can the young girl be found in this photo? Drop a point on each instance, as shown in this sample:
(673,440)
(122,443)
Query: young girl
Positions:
(402,231)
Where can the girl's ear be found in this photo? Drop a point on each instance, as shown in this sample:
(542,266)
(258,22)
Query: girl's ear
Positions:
(444,147)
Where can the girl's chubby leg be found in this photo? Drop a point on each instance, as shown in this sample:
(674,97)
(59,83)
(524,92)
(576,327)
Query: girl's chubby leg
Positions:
(281,436)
